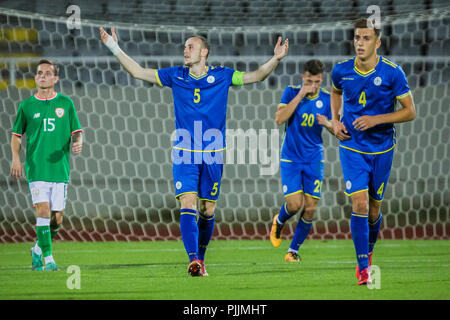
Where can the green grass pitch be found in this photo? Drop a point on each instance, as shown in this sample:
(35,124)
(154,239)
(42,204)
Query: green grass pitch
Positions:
(238,269)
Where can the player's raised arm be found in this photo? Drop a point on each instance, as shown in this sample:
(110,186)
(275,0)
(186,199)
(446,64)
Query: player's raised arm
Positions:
(16,166)
(264,70)
(406,113)
(284,112)
(128,63)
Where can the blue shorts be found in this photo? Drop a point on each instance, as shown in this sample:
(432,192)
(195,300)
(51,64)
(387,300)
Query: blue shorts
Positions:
(203,179)
(303,178)
(366,172)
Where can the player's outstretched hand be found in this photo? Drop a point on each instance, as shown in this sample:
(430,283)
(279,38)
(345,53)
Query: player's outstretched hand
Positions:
(77,147)
(281,49)
(16,170)
(365,122)
(339,130)
(104,35)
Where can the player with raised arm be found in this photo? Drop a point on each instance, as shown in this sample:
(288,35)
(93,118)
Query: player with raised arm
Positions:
(305,109)
(367,86)
(50,122)
(200,94)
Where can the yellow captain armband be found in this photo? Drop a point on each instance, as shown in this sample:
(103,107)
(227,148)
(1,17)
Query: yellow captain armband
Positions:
(237,78)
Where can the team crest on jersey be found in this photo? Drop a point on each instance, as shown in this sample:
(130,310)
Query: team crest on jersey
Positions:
(210,79)
(285,188)
(377,81)
(348,184)
(59,112)
(178,185)
(319,104)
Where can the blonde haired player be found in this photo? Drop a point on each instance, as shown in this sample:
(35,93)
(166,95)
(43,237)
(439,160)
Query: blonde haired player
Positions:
(200,95)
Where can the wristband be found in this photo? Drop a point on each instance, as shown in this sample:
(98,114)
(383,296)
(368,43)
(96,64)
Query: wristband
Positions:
(113,46)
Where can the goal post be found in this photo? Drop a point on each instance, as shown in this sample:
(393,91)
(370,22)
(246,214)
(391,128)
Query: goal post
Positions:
(121,185)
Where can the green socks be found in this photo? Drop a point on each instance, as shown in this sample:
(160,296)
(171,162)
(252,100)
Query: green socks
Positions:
(54,230)
(44,236)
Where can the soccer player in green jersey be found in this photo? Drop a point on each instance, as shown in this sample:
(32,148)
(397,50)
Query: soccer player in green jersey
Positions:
(50,123)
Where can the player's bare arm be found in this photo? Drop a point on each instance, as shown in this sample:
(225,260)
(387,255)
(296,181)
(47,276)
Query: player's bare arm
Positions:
(16,165)
(280,51)
(284,112)
(77,145)
(132,67)
(338,127)
(406,113)
(322,120)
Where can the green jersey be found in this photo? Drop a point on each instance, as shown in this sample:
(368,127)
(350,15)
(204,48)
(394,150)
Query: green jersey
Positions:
(49,125)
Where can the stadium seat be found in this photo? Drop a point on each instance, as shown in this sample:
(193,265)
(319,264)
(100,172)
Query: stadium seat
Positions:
(404,6)
(156,49)
(436,4)
(435,48)
(362,6)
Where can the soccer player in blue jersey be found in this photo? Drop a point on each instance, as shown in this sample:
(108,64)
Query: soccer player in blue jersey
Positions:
(368,87)
(305,109)
(200,95)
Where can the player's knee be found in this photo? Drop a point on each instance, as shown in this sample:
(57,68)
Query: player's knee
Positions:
(43,210)
(374,209)
(188,201)
(207,208)
(209,211)
(309,212)
(374,205)
(294,205)
(361,206)
(57,218)
(188,205)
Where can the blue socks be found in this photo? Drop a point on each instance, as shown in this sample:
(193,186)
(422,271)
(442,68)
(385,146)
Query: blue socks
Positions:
(360,234)
(301,232)
(196,235)
(205,231)
(374,229)
(284,214)
(189,232)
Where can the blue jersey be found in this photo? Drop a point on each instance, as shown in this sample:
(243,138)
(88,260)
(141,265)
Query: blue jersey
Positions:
(369,93)
(200,105)
(303,137)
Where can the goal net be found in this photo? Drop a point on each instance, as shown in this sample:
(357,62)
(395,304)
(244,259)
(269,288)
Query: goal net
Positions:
(121,186)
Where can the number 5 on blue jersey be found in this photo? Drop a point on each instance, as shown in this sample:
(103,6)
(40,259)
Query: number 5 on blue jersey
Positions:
(197,95)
